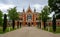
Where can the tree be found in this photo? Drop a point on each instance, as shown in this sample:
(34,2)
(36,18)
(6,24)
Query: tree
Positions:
(1,14)
(44,15)
(5,23)
(55,6)
(18,24)
(39,25)
(54,23)
(13,15)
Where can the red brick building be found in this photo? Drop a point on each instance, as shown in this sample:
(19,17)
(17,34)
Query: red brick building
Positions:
(29,17)
(49,22)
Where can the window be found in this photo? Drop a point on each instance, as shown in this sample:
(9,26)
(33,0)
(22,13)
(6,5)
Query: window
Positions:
(26,22)
(32,22)
(58,23)
(29,17)
(21,19)
(37,19)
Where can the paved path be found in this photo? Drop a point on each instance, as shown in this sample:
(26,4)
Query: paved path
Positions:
(57,35)
(28,32)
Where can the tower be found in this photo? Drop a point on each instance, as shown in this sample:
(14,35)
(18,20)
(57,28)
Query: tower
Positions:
(29,9)
(34,10)
(23,10)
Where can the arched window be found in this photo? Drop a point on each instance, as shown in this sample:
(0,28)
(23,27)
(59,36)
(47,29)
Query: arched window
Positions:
(58,23)
(32,23)
(29,17)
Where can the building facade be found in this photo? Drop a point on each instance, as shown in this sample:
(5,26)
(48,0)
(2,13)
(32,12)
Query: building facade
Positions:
(29,17)
(49,22)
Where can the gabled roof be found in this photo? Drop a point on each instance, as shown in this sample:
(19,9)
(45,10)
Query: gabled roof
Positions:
(29,9)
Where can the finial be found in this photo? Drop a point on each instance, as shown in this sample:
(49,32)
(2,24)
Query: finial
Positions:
(23,10)
(29,5)
(34,10)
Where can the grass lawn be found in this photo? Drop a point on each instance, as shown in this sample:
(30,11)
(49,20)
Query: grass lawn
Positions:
(57,30)
(7,30)
(51,30)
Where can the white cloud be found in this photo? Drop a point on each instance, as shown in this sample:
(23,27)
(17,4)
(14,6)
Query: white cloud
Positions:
(19,3)
(51,15)
(4,7)
(38,7)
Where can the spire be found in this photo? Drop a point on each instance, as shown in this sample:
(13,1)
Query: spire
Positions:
(29,9)
(23,10)
(29,5)
(34,10)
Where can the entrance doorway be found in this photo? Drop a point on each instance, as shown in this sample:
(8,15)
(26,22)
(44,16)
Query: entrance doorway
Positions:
(28,24)
(20,24)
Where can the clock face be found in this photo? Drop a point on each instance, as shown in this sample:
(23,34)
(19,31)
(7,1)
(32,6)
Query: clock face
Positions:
(29,17)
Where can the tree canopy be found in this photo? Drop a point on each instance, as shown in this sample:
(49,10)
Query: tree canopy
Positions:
(12,13)
(44,13)
(55,6)
(1,14)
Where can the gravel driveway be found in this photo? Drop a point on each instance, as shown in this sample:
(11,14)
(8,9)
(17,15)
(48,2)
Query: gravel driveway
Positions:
(28,32)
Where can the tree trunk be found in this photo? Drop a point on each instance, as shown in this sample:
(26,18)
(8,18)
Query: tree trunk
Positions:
(44,24)
(40,25)
(54,23)
(13,24)
(5,23)
(18,24)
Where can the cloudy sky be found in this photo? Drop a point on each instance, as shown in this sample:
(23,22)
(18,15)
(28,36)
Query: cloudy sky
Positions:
(20,4)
